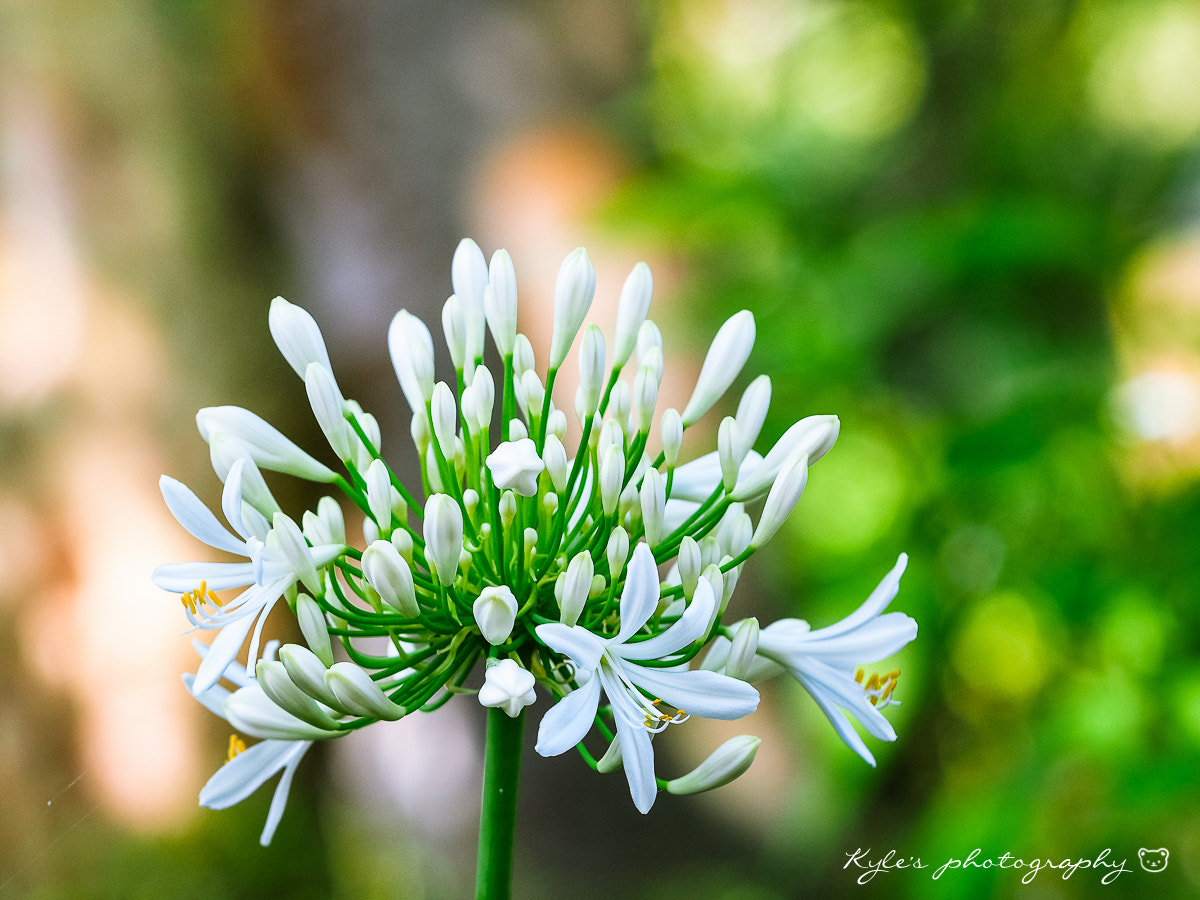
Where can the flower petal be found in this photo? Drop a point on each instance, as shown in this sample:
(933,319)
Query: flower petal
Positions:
(567,722)
(197,518)
(883,594)
(640,596)
(697,691)
(637,754)
(573,641)
(691,625)
(221,652)
(246,772)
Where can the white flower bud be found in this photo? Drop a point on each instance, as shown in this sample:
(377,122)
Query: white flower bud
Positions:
(689,565)
(612,437)
(403,541)
(359,695)
(649,339)
(729,351)
(419,431)
(653,360)
(813,435)
(727,762)
(252,712)
(287,537)
(495,612)
(672,436)
(500,302)
(454,327)
(314,627)
(612,758)
(516,465)
(620,402)
(388,572)
(411,348)
(483,388)
(554,455)
(517,430)
(742,650)
(443,417)
(654,504)
(556,423)
(612,479)
(261,442)
(735,531)
(728,445)
(617,552)
(645,395)
(469,277)
(326,525)
(379,495)
(327,406)
(508,508)
(752,411)
(785,494)
(576,586)
(591,370)
(297,336)
(507,686)
(307,672)
(631,311)
(443,536)
(573,292)
(522,356)
(273,679)
(533,394)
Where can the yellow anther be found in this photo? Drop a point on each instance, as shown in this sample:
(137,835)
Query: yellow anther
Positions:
(236,746)
(879,688)
(193,600)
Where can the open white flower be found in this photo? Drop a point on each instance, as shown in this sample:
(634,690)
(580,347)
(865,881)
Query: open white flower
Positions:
(825,661)
(271,568)
(614,665)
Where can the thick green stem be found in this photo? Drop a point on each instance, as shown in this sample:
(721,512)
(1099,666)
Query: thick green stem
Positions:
(498,817)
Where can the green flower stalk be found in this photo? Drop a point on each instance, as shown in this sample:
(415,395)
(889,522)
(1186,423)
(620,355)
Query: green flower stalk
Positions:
(516,557)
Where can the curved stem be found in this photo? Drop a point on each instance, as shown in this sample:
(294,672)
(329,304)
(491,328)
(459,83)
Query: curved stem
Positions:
(498,816)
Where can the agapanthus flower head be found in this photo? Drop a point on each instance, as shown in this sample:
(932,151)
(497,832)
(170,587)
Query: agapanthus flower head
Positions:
(521,558)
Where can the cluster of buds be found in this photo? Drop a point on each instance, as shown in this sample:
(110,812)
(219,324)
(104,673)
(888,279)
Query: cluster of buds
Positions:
(602,571)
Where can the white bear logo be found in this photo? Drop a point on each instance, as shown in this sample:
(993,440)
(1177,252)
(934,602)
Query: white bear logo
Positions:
(1153,860)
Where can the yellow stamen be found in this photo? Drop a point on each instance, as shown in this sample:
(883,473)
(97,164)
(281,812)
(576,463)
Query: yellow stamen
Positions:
(879,688)
(236,746)
(193,600)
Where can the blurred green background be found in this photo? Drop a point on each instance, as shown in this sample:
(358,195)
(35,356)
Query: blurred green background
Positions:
(970,229)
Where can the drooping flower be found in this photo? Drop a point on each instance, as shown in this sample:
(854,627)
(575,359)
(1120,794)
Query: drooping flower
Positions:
(825,661)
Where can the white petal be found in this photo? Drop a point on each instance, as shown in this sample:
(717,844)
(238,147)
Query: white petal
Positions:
(640,596)
(883,594)
(267,445)
(575,642)
(221,652)
(691,625)
(184,577)
(696,691)
(250,711)
(245,773)
(637,755)
(280,797)
(876,640)
(567,722)
(197,518)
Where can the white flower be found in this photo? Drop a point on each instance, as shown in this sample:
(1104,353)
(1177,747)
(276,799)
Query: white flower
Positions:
(727,762)
(515,466)
(824,661)
(613,664)
(271,568)
(508,686)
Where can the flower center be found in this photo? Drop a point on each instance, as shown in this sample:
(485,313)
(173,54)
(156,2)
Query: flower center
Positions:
(193,600)
(236,746)
(879,687)
(658,719)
